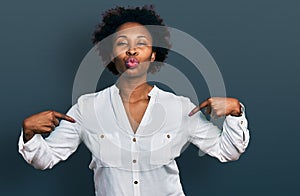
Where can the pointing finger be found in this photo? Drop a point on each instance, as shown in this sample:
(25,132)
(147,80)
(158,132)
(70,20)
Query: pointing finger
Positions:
(195,110)
(198,108)
(64,117)
(204,104)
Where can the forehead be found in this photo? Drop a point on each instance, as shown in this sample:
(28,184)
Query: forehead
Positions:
(132,29)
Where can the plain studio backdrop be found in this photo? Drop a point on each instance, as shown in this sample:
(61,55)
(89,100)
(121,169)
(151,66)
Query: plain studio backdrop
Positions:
(255,44)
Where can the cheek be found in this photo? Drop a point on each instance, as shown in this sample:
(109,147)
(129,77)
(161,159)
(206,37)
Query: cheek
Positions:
(118,62)
(146,53)
(114,55)
(119,50)
(117,56)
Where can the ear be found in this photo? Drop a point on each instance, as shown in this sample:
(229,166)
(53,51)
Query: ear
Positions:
(153,55)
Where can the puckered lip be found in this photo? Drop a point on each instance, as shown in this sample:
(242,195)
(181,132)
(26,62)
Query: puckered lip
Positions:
(131,62)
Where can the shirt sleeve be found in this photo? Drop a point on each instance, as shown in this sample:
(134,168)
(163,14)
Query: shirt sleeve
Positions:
(59,145)
(226,144)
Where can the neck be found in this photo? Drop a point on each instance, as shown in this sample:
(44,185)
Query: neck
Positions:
(132,90)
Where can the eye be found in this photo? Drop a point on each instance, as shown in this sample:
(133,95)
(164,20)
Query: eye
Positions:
(121,43)
(141,44)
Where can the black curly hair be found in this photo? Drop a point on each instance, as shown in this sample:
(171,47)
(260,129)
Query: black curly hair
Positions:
(115,17)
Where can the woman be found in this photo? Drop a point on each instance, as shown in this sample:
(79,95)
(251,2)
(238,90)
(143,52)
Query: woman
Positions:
(134,130)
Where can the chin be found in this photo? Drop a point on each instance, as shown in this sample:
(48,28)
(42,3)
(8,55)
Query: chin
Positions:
(133,73)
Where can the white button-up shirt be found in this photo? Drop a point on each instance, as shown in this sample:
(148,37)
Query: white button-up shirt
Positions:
(141,163)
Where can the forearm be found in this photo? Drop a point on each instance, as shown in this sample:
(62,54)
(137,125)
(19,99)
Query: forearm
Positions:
(27,135)
(234,138)
(45,153)
(37,153)
(59,145)
(226,144)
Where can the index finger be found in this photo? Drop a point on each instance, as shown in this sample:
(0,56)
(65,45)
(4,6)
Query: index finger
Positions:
(198,108)
(64,117)
(204,104)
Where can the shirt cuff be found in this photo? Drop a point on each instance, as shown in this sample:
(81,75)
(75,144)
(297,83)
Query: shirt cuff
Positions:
(31,144)
(237,123)
(239,119)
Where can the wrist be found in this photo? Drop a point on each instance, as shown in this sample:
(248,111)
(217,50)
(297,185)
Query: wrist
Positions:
(27,135)
(237,111)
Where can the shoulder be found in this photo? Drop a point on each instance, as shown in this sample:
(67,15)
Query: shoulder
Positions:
(174,102)
(175,107)
(91,97)
(171,97)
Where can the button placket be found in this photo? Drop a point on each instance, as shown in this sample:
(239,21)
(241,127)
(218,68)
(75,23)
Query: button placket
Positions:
(134,154)
(134,157)
(135,167)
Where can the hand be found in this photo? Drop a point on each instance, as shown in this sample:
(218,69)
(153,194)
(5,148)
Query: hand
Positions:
(219,106)
(44,122)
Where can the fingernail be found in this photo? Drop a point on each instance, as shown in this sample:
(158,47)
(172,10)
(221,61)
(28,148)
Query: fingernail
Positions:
(71,119)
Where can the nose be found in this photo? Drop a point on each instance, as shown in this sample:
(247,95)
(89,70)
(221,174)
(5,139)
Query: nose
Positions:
(131,52)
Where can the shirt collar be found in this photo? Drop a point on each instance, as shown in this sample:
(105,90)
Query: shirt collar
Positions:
(152,93)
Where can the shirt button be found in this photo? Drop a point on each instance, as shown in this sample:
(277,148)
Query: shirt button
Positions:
(168,136)
(134,161)
(135,182)
(242,122)
(101,136)
(134,139)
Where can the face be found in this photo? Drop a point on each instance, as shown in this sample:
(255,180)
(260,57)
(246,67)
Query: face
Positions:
(132,50)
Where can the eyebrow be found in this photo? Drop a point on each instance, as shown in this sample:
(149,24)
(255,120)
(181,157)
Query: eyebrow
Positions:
(142,36)
(121,36)
(124,36)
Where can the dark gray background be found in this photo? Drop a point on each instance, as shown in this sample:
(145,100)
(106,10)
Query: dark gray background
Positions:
(255,43)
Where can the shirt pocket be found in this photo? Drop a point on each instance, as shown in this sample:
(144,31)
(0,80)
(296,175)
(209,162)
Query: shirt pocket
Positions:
(161,148)
(110,150)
